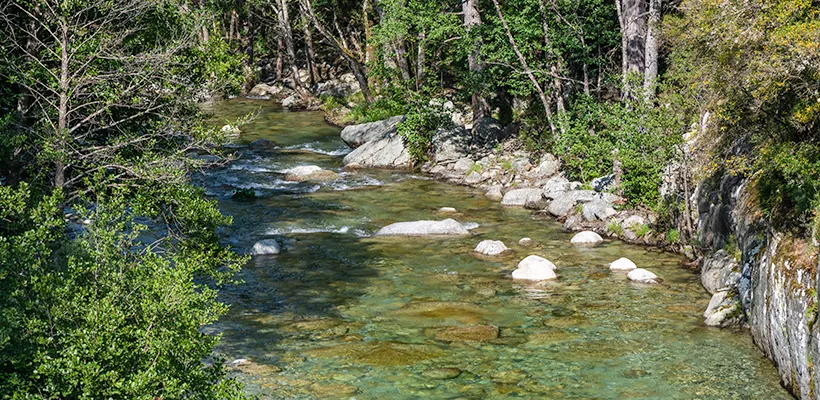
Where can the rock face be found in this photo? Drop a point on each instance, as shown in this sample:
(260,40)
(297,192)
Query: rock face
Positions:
(719,272)
(641,275)
(451,144)
(265,247)
(309,173)
(424,228)
(357,135)
(723,310)
(524,197)
(622,264)
(491,247)
(587,238)
(487,132)
(535,268)
(383,153)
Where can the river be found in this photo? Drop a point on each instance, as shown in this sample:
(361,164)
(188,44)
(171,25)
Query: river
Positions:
(340,314)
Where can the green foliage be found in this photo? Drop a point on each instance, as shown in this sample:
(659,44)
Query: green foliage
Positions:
(673,236)
(732,249)
(643,139)
(641,230)
(392,102)
(419,126)
(615,228)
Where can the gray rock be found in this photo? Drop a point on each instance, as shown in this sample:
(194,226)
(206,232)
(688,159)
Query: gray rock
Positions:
(525,242)
(309,173)
(719,272)
(622,264)
(463,165)
(451,144)
(491,247)
(603,183)
(586,238)
(291,101)
(548,166)
(564,202)
(633,220)
(494,193)
(487,132)
(521,164)
(448,210)
(473,178)
(389,152)
(598,209)
(357,135)
(265,247)
(523,197)
(723,309)
(261,144)
(424,228)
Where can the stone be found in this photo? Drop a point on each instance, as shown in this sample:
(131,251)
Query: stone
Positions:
(424,228)
(633,220)
(622,264)
(491,247)
(562,204)
(441,373)
(522,197)
(463,165)
(525,242)
(389,152)
(603,183)
(554,185)
(535,268)
(494,193)
(451,144)
(260,90)
(719,272)
(230,130)
(357,135)
(332,390)
(722,307)
(473,178)
(598,209)
(265,247)
(521,164)
(380,353)
(447,210)
(641,275)
(309,173)
(261,144)
(479,333)
(586,238)
(487,132)
(291,101)
(548,166)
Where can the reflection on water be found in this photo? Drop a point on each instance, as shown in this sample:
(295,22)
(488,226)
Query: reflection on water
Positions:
(341,314)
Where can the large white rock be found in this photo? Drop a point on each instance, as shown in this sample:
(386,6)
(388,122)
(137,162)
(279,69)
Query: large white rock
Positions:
(524,197)
(309,172)
(587,238)
(535,268)
(424,228)
(622,264)
(265,247)
(388,152)
(641,275)
(357,135)
(491,247)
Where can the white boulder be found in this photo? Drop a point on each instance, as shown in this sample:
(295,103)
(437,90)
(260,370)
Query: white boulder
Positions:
(622,264)
(641,275)
(265,247)
(587,238)
(535,268)
(491,247)
(424,228)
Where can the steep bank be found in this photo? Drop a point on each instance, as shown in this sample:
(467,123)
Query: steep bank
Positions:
(758,277)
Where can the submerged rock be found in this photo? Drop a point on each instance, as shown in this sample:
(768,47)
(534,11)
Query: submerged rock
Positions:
(622,264)
(480,333)
(587,238)
(265,247)
(641,275)
(535,268)
(381,353)
(441,373)
(424,228)
(309,173)
(491,247)
(357,135)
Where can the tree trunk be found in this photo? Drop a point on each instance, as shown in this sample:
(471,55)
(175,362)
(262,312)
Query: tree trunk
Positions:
(401,58)
(280,45)
(651,72)
(420,62)
(309,50)
(361,78)
(541,95)
(286,33)
(554,66)
(633,30)
(62,108)
(472,18)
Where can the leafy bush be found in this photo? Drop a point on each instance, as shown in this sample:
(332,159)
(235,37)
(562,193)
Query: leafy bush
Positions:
(642,138)
(392,102)
(419,126)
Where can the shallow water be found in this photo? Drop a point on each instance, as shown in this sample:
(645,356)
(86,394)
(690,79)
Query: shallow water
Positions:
(341,314)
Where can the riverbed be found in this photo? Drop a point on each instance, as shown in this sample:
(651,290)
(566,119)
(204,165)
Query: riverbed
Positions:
(342,314)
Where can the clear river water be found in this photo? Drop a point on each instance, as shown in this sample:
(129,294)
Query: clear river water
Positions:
(341,314)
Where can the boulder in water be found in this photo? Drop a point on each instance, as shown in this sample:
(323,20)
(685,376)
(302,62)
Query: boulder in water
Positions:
(530,198)
(357,135)
(587,238)
(494,193)
(641,275)
(388,152)
(525,242)
(265,247)
(622,264)
(491,247)
(535,268)
(309,173)
(424,228)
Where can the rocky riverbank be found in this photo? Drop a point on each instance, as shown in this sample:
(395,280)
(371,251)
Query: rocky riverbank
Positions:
(758,278)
